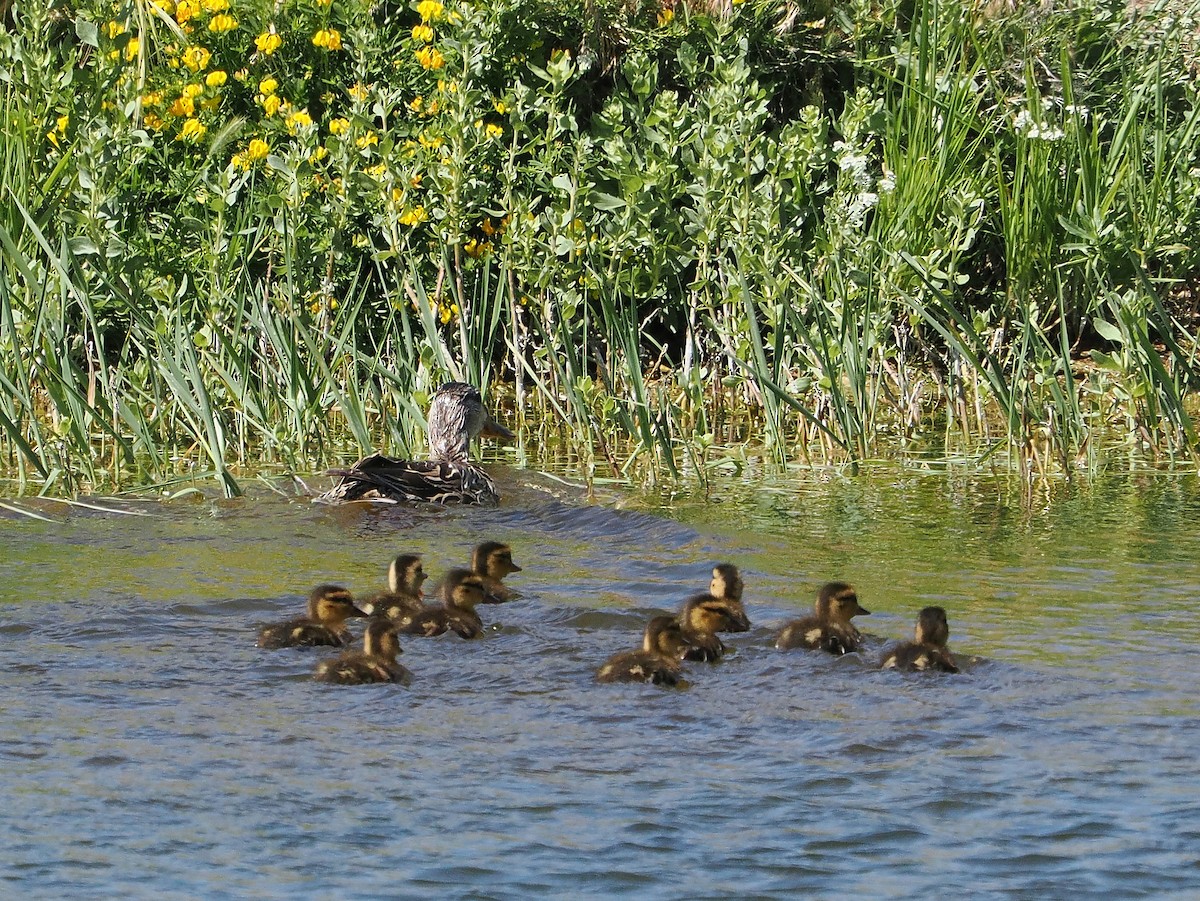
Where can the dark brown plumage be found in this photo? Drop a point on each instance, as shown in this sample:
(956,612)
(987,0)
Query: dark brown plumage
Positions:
(402,600)
(376,662)
(650,664)
(462,590)
(329,606)
(492,561)
(727,585)
(700,619)
(927,650)
(829,629)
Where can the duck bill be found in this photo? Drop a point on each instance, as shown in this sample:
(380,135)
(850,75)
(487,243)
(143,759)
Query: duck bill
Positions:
(358,611)
(862,611)
(493,429)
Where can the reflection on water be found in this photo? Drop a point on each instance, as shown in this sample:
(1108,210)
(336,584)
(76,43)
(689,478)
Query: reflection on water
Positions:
(149,748)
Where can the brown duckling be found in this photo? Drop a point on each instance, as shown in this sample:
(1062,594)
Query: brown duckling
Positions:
(492,561)
(727,585)
(376,662)
(461,591)
(829,629)
(701,618)
(329,606)
(651,663)
(402,601)
(927,650)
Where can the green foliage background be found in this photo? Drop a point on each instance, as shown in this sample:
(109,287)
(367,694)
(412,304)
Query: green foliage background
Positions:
(243,232)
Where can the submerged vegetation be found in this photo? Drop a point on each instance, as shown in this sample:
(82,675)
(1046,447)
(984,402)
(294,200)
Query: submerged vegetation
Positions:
(248,232)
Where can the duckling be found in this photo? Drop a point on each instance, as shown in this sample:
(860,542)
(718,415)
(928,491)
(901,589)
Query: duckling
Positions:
(461,591)
(492,561)
(402,601)
(456,415)
(727,585)
(376,662)
(651,663)
(829,629)
(701,618)
(329,606)
(927,650)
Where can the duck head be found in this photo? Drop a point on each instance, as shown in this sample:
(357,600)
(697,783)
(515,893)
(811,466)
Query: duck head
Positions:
(706,614)
(406,574)
(332,605)
(381,639)
(462,588)
(838,602)
(456,416)
(493,559)
(726,582)
(932,627)
(662,636)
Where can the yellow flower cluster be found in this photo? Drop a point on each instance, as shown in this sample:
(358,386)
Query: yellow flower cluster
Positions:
(430,58)
(268,42)
(414,217)
(222,23)
(328,38)
(255,151)
(422,34)
(430,11)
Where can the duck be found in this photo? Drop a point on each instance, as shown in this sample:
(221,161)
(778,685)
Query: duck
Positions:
(701,618)
(492,561)
(456,416)
(402,600)
(927,651)
(650,664)
(829,629)
(376,662)
(329,606)
(727,585)
(462,590)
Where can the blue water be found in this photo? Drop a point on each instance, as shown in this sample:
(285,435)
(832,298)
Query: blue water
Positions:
(149,749)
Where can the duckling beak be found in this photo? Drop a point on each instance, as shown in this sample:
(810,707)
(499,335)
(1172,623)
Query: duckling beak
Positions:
(493,429)
(861,610)
(358,611)
(516,568)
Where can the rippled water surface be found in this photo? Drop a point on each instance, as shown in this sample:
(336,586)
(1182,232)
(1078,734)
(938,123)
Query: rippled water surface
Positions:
(149,749)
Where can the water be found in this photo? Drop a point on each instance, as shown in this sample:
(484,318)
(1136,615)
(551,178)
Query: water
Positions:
(147,748)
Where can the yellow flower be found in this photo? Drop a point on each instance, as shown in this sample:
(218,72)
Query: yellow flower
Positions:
(257,149)
(239,161)
(378,171)
(493,130)
(414,217)
(154,98)
(114,29)
(358,92)
(271,105)
(422,33)
(664,17)
(216,79)
(196,58)
(268,42)
(370,139)
(268,86)
(415,181)
(500,107)
(52,137)
(61,124)
(430,143)
(430,57)
(297,120)
(430,10)
(222,23)
(475,249)
(184,106)
(153,122)
(319,154)
(131,49)
(339,126)
(215,6)
(192,131)
(431,109)
(415,103)
(397,195)
(329,38)
(165,6)
(191,90)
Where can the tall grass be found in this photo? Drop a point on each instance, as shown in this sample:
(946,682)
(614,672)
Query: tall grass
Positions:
(836,242)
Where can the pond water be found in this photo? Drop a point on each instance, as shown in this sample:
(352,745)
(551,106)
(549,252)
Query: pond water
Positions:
(148,748)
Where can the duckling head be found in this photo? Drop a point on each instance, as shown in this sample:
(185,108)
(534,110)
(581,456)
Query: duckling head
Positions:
(706,614)
(493,559)
(456,416)
(463,588)
(405,575)
(838,602)
(381,639)
(932,627)
(726,582)
(662,636)
(332,605)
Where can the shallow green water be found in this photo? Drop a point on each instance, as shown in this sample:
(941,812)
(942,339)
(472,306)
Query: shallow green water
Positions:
(148,748)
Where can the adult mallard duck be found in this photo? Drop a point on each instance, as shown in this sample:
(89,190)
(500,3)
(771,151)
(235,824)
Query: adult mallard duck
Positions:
(376,662)
(456,416)
(652,663)
(829,628)
(492,561)
(329,606)
(927,650)
(402,600)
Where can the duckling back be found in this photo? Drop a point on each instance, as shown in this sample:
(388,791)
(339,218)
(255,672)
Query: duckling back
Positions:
(461,591)
(329,606)
(651,663)
(829,629)
(376,662)
(927,651)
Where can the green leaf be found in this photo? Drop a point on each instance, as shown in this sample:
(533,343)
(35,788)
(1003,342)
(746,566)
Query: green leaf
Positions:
(87,32)
(1107,330)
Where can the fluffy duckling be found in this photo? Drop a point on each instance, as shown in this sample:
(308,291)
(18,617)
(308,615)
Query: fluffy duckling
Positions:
(829,629)
(727,585)
(376,662)
(651,663)
(461,591)
(402,601)
(492,561)
(329,606)
(701,618)
(928,649)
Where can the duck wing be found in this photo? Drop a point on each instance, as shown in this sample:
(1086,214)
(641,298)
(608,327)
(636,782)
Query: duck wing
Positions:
(412,481)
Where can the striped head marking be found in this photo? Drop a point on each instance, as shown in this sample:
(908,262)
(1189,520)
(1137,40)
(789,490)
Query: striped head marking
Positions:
(932,627)
(726,582)
(381,639)
(406,574)
(706,614)
(493,559)
(332,605)
(837,602)
(463,588)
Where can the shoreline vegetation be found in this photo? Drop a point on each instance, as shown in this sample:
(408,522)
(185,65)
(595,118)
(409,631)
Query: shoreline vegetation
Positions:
(663,236)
